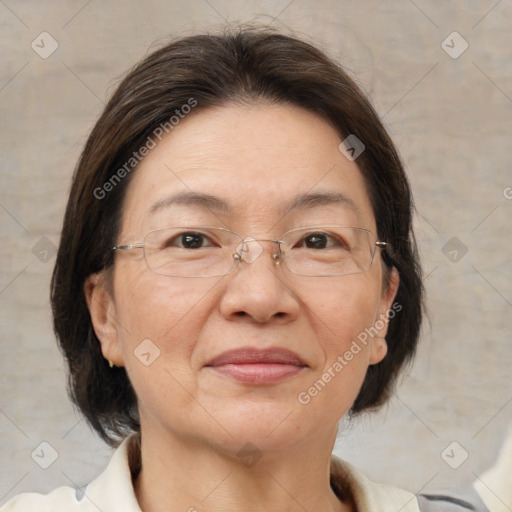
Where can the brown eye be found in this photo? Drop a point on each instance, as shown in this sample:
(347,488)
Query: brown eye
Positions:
(321,240)
(187,240)
(191,240)
(316,241)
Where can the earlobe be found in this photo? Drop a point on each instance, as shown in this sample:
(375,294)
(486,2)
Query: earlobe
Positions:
(379,349)
(103,316)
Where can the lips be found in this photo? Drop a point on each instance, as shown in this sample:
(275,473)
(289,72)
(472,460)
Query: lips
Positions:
(255,356)
(253,366)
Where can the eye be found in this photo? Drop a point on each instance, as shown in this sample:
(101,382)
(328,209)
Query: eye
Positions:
(192,240)
(189,240)
(322,240)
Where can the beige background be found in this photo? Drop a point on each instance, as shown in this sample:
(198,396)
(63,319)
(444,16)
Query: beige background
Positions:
(452,120)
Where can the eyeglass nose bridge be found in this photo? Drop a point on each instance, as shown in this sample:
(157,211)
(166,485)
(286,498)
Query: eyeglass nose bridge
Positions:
(249,253)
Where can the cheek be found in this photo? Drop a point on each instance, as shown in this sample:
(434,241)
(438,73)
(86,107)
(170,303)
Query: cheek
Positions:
(342,317)
(163,309)
(160,320)
(344,311)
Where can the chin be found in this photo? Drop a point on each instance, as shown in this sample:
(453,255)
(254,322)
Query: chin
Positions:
(269,425)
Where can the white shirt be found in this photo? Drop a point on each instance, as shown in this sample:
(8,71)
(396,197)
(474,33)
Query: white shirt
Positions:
(113,491)
(495,485)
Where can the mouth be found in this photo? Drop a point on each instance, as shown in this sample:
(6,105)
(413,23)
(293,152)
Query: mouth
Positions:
(253,366)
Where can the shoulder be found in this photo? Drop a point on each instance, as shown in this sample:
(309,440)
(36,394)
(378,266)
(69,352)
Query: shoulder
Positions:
(469,501)
(366,494)
(112,491)
(370,496)
(61,499)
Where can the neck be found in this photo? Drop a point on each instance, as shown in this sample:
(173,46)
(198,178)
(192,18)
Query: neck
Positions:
(182,475)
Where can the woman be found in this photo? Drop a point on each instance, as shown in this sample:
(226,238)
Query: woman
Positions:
(237,271)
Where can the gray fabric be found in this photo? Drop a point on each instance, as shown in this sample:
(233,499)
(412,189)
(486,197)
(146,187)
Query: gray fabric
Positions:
(468,500)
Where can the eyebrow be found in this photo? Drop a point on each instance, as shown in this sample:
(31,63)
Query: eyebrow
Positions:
(309,200)
(205,201)
(301,202)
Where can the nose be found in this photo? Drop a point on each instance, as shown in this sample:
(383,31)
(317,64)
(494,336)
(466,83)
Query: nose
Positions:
(256,290)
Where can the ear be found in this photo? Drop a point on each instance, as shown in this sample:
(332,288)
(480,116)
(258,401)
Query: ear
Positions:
(103,316)
(386,310)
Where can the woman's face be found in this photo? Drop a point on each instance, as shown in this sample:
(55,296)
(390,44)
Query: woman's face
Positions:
(259,171)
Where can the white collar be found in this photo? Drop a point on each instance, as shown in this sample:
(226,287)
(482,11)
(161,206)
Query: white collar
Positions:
(113,489)
(370,496)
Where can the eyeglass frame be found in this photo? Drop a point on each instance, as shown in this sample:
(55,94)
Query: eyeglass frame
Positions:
(278,257)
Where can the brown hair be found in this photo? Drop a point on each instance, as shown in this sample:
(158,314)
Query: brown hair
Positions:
(238,66)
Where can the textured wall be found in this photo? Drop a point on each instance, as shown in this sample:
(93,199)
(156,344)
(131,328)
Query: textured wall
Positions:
(448,108)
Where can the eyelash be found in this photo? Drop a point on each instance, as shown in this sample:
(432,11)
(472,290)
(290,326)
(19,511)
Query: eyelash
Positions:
(178,240)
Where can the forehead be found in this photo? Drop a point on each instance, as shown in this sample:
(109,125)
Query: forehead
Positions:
(258,160)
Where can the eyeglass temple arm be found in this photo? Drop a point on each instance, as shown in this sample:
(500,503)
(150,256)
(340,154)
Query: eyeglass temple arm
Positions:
(138,245)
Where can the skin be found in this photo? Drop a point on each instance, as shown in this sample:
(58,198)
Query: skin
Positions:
(194,420)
